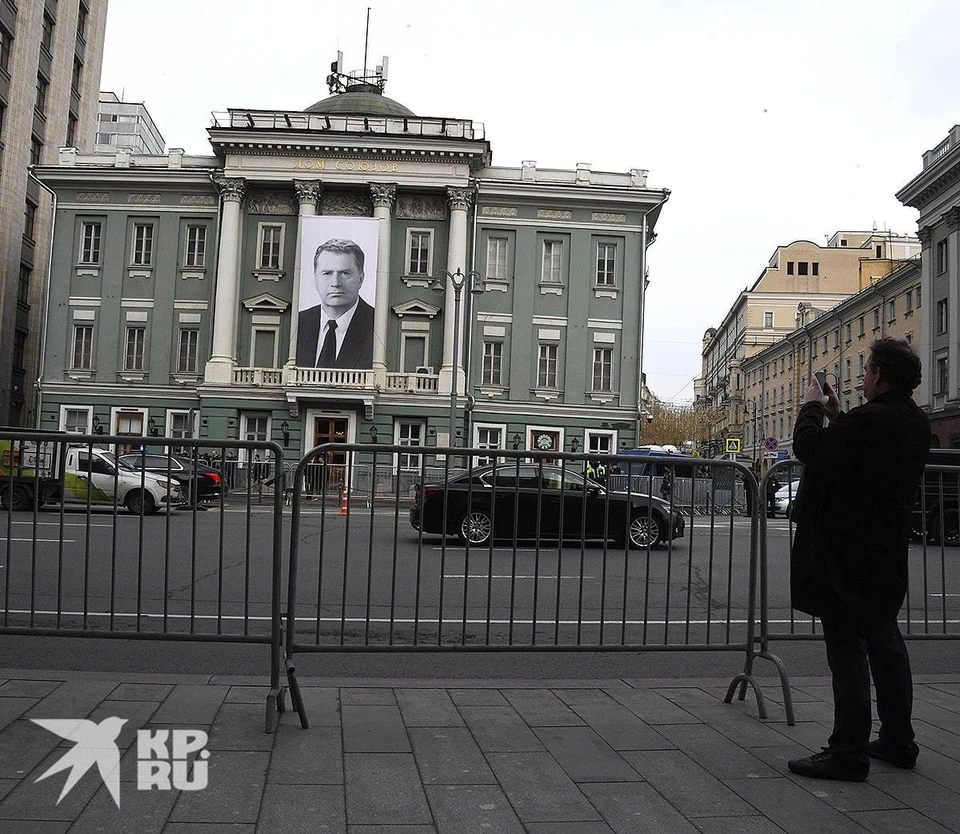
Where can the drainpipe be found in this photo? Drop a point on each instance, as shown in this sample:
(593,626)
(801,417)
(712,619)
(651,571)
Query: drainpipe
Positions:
(46,292)
(643,312)
(468,333)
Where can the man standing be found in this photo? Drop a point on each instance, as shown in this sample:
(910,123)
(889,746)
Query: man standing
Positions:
(338,332)
(849,559)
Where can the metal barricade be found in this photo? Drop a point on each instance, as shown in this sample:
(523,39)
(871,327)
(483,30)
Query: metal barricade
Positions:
(88,552)
(544,560)
(928,612)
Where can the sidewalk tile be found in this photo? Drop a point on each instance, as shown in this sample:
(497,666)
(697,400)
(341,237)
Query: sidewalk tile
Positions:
(794,809)
(302,809)
(897,822)
(41,827)
(12,708)
(738,725)
(191,704)
(686,696)
(367,696)
(428,708)
(23,745)
(128,761)
(32,800)
(140,812)
(739,825)
(584,697)
(926,797)
(322,704)
(934,738)
(686,785)
(620,728)
(141,692)
(247,695)
(499,729)
(28,688)
(584,756)
(449,756)
(538,788)
(541,708)
(137,714)
(715,753)
(209,828)
(477,698)
(472,809)
(598,827)
(72,699)
(391,829)
(652,706)
(631,807)
(233,793)
(374,729)
(384,788)
(933,765)
(239,727)
(306,757)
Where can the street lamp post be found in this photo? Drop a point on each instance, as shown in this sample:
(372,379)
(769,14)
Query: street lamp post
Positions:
(458,280)
(754,412)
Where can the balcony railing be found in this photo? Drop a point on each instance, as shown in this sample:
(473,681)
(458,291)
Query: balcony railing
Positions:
(334,378)
(271,377)
(429,383)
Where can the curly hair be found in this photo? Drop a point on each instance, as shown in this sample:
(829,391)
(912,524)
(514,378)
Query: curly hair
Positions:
(342,247)
(897,362)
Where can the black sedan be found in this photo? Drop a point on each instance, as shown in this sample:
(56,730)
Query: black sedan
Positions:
(524,501)
(192,476)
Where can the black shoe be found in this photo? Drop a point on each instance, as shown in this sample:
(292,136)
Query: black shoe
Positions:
(906,759)
(830,765)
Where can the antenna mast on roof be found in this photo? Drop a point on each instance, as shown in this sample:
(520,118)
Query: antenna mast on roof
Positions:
(366,42)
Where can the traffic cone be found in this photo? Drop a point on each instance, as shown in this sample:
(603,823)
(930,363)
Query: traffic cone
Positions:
(343,500)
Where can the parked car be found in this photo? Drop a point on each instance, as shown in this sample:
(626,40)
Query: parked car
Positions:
(784,498)
(191,475)
(510,501)
(936,515)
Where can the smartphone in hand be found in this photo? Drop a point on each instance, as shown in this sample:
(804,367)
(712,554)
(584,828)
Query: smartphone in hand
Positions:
(822,380)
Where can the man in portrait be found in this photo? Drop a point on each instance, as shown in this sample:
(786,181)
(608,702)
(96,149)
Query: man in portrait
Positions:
(337,332)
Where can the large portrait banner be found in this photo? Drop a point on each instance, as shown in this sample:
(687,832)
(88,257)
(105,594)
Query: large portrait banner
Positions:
(338,290)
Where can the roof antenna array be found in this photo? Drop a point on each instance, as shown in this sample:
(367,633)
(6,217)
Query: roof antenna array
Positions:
(339,81)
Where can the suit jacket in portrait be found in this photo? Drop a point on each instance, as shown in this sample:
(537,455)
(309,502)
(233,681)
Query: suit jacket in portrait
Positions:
(357,348)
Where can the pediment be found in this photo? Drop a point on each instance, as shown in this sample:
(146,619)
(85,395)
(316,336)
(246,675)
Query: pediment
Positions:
(416,307)
(265,303)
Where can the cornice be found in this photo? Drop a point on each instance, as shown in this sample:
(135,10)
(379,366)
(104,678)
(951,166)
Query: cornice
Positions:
(940,176)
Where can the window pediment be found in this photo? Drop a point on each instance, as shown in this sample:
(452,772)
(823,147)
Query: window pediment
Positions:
(265,302)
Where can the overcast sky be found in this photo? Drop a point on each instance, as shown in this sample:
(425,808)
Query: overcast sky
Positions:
(769,121)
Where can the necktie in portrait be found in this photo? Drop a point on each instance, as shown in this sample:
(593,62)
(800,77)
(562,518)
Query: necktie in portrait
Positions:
(328,351)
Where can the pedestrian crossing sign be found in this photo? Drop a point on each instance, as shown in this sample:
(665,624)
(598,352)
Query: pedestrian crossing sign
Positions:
(733,445)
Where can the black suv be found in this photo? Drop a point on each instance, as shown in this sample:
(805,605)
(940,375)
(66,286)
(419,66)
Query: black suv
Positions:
(936,516)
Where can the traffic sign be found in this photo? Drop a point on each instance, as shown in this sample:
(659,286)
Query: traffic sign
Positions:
(770,444)
(733,445)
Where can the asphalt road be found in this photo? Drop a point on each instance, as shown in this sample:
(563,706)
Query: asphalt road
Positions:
(209,573)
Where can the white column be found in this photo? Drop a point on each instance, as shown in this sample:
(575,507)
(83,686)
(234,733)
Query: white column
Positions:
(219,369)
(953,305)
(925,348)
(459,200)
(308,192)
(384,195)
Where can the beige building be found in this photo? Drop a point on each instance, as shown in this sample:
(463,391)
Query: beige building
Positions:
(935,193)
(50,59)
(837,341)
(800,273)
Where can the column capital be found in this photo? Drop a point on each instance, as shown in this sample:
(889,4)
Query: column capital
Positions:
(925,234)
(384,194)
(953,218)
(231,188)
(459,198)
(308,191)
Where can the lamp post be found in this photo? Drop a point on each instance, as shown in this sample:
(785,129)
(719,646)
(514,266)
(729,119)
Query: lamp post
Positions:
(754,412)
(458,280)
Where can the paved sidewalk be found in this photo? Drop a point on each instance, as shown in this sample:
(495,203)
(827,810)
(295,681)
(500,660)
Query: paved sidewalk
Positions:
(411,757)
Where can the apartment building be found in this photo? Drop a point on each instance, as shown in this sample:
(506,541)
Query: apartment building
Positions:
(50,59)
(125,125)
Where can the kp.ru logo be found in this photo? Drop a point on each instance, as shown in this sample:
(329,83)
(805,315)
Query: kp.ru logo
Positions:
(158,766)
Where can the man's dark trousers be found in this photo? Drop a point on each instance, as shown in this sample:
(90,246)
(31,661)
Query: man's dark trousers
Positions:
(849,647)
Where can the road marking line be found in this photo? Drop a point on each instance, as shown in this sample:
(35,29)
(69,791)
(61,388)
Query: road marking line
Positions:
(509,576)
(54,541)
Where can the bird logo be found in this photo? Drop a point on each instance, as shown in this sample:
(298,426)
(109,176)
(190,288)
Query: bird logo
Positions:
(94,744)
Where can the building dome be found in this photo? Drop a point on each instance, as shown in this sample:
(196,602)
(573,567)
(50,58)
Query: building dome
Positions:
(361,100)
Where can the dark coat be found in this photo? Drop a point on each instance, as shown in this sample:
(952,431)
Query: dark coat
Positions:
(853,518)
(357,348)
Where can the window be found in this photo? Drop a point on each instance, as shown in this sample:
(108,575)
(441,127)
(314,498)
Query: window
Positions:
(824,344)
(71,131)
(815,267)
(876,318)
(23,287)
(42,87)
(908,338)
(178,424)
(943,380)
(143,244)
(82,352)
(497,258)
(77,77)
(891,311)
(46,33)
(419,261)
(196,250)
(862,323)
(802,268)
(908,302)
(789,267)
(133,353)
(492,372)
(187,350)
(606,265)
(19,349)
(547,366)
(36,150)
(847,365)
(602,369)
(943,257)
(847,332)
(29,220)
(942,316)
(90,234)
(859,364)
(488,437)
(552,254)
(768,319)
(409,433)
(75,420)
(130,424)
(918,298)
(82,15)
(271,246)
(836,338)
(6,47)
